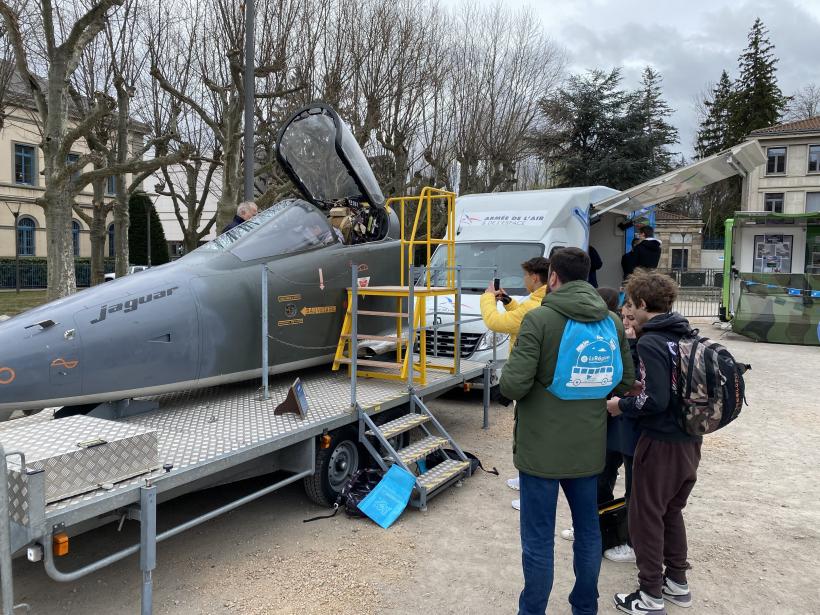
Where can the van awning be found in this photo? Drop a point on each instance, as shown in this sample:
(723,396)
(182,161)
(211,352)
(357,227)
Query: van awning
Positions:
(739,160)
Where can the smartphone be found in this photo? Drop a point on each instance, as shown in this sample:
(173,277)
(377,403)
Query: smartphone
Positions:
(497,283)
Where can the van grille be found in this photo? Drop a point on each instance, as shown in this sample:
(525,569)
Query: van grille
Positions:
(445,344)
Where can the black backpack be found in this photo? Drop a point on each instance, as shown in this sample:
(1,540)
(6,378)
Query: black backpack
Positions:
(709,384)
(354,491)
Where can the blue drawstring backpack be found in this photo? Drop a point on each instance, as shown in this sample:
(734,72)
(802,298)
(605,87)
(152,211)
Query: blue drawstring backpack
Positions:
(589,361)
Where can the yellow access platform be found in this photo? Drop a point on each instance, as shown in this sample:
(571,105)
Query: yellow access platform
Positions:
(406,295)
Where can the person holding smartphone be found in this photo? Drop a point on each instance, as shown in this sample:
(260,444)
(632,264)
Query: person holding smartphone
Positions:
(536,273)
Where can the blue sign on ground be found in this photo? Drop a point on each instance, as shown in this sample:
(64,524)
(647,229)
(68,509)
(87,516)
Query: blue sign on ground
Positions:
(390,497)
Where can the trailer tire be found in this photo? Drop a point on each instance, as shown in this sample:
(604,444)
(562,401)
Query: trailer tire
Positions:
(334,466)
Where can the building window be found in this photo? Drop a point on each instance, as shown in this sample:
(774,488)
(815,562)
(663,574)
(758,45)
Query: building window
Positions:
(680,258)
(773,201)
(111,241)
(111,184)
(813,202)
(25,236)
(776,162)
(24,164)
(71,159)
(814,158)
(75,236)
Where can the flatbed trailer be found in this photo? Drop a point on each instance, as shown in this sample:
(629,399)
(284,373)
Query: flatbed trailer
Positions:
(209,437)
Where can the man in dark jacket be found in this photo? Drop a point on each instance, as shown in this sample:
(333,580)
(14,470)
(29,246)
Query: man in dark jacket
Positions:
(556,441)
(666,458)
(648,250)
(244,212)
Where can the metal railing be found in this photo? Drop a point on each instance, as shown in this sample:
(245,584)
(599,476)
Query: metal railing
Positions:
(35,274)
(699,291)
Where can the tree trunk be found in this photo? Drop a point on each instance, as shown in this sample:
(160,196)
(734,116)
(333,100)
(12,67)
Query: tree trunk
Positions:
(60,244)
(232,175)
(121,224)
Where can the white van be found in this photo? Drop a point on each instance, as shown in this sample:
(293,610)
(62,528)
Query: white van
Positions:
(496,232)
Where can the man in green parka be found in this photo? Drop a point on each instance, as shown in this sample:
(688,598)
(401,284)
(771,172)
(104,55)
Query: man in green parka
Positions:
(559,441)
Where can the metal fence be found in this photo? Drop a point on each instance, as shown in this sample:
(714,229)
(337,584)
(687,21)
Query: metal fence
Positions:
(699,291)
(34,274)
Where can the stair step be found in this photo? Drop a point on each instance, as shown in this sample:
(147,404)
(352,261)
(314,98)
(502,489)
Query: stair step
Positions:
(366,363)
(399,425)
(440,474)
(420,449)
(381,338)
(376,313)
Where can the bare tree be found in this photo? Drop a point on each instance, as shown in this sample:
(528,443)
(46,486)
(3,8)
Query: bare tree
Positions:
(67,33)
(804,104)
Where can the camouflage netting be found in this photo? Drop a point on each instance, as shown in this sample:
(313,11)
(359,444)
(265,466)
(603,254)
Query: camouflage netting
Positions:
(771,310)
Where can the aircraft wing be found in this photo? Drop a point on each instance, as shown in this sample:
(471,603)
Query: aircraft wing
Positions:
(739,160)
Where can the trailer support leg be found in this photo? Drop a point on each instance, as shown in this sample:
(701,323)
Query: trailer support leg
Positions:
(148,545)
(7,585)
(487,384)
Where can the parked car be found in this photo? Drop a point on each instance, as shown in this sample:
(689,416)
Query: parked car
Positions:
(131,269)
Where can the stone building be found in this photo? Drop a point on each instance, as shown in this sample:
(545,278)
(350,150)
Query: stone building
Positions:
(681,238)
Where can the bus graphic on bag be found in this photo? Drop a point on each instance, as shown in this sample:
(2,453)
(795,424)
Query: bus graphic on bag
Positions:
(589,361)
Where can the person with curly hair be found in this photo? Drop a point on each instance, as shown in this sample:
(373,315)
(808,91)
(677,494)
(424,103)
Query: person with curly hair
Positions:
(666,457)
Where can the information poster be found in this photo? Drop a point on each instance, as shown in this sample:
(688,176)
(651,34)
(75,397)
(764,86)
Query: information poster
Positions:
(773,254)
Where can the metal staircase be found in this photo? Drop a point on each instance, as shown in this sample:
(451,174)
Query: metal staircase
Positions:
(430,480)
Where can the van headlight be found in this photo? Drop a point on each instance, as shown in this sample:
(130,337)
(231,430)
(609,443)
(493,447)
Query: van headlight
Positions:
(490,339)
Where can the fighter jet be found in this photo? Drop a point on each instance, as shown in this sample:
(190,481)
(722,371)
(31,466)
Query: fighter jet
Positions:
(196,322)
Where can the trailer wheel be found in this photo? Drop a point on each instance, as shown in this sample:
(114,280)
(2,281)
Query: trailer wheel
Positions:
(334,466)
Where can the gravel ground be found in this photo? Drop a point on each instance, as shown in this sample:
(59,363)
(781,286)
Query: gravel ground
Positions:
(752,519)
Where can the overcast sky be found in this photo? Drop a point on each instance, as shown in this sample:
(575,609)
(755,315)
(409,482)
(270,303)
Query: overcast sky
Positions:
(688,42)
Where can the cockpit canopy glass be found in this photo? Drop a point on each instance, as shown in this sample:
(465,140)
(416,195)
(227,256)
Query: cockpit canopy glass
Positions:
(284,228)
(308,151)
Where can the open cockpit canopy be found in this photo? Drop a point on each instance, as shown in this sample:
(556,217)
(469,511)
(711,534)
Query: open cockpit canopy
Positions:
(321,157)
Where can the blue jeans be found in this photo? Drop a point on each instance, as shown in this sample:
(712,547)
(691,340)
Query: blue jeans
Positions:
(539,497)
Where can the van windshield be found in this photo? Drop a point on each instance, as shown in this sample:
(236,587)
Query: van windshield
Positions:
(478,259)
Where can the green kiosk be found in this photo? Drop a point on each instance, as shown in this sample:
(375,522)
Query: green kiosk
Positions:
(771,281)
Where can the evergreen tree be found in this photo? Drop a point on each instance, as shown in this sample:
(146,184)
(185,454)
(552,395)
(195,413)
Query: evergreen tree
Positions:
(713,133)
(757,101)
(654,130)
(601,135)
(138,204)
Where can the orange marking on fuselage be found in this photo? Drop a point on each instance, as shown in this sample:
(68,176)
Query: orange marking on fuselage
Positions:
(7,375)
(63,363)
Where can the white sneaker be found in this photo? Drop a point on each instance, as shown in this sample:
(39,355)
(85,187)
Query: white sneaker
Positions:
(676,593)
(512,483)
(639,603)
(621,553)
(568,534)
(516,504)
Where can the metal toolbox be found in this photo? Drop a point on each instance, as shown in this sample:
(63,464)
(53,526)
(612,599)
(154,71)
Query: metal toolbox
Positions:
(80,454)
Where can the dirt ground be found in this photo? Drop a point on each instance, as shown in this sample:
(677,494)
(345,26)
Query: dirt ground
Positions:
(753,525)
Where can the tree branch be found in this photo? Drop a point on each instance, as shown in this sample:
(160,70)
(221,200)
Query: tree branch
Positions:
(103,105)
(21,59)
(279,93)
(83,32)
(132,166)
(156,73)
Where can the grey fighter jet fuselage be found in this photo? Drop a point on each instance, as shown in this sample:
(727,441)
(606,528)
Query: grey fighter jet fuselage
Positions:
(196,322)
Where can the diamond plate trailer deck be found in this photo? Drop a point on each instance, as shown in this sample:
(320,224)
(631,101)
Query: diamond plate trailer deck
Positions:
(205,437)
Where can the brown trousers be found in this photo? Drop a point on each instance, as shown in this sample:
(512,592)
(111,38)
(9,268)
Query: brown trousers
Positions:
(663,475)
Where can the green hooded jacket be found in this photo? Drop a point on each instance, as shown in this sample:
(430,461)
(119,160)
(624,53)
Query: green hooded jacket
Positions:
(556,438)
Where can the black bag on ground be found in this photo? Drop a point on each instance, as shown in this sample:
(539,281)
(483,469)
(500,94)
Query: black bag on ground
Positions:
(357,487)
(612,517)
(436,457)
